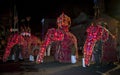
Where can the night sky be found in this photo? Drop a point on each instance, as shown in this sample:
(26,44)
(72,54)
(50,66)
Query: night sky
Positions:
(51,9)
(39,9)
(44,8)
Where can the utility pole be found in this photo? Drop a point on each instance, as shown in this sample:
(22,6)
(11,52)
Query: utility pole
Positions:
(98,8)
(15,28)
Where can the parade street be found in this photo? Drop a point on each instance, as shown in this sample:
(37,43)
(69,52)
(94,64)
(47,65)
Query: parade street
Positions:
(50,67)
(60,37)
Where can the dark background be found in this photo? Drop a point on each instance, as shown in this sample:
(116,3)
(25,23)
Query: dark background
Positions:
(38,9)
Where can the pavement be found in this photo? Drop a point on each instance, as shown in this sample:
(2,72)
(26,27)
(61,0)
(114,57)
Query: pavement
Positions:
(51,67)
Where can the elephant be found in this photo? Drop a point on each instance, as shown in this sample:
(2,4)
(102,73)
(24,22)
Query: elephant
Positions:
(106,49)
(65,42)
(27,43)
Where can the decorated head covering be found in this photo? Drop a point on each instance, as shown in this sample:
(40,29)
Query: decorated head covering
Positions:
(63,20)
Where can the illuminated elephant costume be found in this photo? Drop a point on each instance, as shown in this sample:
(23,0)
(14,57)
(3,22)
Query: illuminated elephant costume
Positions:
(65,41)
(95,33)
(26,41)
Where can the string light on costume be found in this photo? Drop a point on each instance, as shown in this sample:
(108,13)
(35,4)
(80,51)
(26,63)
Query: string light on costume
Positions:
(18,39)
(26,34)
(52,35)
(63,20)
(11,43)
(26,31)
(94,33)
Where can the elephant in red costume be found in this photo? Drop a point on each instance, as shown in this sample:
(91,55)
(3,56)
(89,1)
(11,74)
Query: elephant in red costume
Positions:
(65,41)
(25,40)
(97,32)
